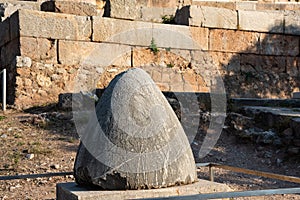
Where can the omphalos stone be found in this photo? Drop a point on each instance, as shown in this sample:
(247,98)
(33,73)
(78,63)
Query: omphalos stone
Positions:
(135,140)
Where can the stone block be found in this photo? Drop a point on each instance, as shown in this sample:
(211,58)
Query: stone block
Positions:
(39,49)
(141,34)
(229,63)
(233,41)
(71,191)
(155,14)
(277,6)
(272,21)
(296,95)
(255,63)
(50,25)
(247,5)
(127,9)
(292,68)
(213,17)
(216,4)
(10,6)
(4,32)
(75,8)
(133,9)
(200,36)
(275,44)
(292,22)
(90,53)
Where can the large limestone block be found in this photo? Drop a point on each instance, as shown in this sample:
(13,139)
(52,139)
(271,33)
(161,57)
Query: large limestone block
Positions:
(141,34)
(261,21)
(135,141)
(292,22)
(50,25)
(136,9)
(39,49)
(88,53)
(278,44)
(8,7)
(75,8)
(234,41)
(213,17)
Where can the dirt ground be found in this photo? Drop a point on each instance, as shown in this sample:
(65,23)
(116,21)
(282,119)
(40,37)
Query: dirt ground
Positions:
(44,140)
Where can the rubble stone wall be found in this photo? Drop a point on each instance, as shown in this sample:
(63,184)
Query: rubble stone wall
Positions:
(256,52)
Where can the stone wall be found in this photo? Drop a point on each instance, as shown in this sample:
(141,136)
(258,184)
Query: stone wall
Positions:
(48,53)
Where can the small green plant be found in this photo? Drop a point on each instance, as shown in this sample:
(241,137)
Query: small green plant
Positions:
(153,47)
(170,65)
(18,136)
(20,143)
(168,49)
(2,118)
(168,19)
(16,156)
(6,166)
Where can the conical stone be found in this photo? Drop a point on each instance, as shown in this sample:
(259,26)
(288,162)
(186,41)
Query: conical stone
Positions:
(135,140)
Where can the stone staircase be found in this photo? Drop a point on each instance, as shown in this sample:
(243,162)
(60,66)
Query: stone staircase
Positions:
(267,121)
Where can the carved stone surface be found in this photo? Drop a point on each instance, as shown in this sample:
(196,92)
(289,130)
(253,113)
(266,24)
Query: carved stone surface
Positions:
(137,141)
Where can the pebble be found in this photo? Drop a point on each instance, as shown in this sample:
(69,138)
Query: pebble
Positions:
(112,70)
(4,136)
(30,156)
(55,166)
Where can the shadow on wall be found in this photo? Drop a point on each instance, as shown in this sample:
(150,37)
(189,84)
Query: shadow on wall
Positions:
(268,68)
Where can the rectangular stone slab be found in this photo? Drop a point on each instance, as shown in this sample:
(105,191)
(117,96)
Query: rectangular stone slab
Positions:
(72,191)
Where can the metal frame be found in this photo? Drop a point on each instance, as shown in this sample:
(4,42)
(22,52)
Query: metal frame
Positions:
(247,171)
(221,195)
(3,89)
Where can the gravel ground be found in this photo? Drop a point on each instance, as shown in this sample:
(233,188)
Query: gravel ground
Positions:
(44,140)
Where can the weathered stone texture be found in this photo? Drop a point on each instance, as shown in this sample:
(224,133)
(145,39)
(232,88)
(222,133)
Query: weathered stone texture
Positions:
(137,140)
(39,49)
(142,33)
(41,83)
(292,66)
(72,191)
(91,53)
(273,44)
(10,6)
(74,8)
(228,63)
(220,4)
(213,17)
(144,9)
(252,63)
(261,21)
(234,41)
(50,25)
(292,22)
(155,14)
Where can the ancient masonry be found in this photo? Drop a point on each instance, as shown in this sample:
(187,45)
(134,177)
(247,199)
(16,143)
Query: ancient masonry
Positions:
(47,46)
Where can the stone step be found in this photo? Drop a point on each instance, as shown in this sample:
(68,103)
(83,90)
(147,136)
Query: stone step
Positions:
(295,125)
(277,118)
(72,191)
(235,104)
